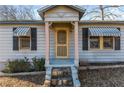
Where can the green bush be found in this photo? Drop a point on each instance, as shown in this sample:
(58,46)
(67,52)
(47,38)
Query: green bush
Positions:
(18,65)
(38,64)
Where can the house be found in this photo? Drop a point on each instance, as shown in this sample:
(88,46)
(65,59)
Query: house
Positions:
(62,38)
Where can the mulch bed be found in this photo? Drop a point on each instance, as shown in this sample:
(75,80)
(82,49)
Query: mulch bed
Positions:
(111,77)
(22,81)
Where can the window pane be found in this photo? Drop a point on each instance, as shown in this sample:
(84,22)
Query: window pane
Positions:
(94,42)
(108,42)
(25,42)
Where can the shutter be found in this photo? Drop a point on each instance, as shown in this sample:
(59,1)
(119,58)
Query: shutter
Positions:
(117,43)
(85,38)
(15,42)
(33,38)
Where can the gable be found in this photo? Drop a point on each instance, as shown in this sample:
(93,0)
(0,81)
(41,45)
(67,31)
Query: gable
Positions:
(65,12)
(61,13)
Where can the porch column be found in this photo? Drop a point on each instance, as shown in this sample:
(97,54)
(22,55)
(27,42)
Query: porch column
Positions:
(46,43)
(76,58)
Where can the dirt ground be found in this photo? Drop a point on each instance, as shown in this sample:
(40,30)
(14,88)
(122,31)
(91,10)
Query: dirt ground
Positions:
(22,81)
(102,77)
(89,78)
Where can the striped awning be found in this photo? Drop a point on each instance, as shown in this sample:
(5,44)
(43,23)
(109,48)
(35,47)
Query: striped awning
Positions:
(22,31)
(104,31)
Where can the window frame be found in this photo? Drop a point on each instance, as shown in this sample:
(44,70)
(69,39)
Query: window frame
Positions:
(101,43)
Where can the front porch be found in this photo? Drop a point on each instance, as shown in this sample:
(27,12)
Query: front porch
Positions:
(61,43)
(62,62)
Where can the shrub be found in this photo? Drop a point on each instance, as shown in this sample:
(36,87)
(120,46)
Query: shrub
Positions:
(38,64)
(18,65)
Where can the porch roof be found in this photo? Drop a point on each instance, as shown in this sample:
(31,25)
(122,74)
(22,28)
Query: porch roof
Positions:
(22,22)
(104,31)
(41,22)
(22,31)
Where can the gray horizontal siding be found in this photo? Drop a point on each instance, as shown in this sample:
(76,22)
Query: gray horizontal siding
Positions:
(6,44)
(6,51)
(52,44)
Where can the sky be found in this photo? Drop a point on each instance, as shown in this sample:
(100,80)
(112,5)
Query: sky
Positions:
(88,9)
(119,11)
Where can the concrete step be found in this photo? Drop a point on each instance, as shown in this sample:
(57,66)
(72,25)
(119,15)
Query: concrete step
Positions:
(76,81)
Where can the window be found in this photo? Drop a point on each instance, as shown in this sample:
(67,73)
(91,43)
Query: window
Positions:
(101,38)
(97,42)
(24,38)
(94,42)
(24,42)
(108,42)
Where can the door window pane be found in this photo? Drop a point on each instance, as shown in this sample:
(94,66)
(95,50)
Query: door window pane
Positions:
(61,38)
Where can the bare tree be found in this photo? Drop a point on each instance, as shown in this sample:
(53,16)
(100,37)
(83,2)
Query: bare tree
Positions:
(26,12)
(7,12)
(103,12)
(16,12)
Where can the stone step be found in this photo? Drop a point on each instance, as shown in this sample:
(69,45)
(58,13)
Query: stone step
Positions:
(55,82)
(61,76)
(47,81)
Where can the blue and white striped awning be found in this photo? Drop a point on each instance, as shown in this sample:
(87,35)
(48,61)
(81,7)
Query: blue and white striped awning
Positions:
(104,31)
(22,31)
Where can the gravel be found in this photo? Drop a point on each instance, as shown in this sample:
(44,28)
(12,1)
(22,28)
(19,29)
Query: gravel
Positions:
(22,81)
(102,77)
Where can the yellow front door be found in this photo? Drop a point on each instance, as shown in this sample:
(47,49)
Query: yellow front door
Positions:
(61,43)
